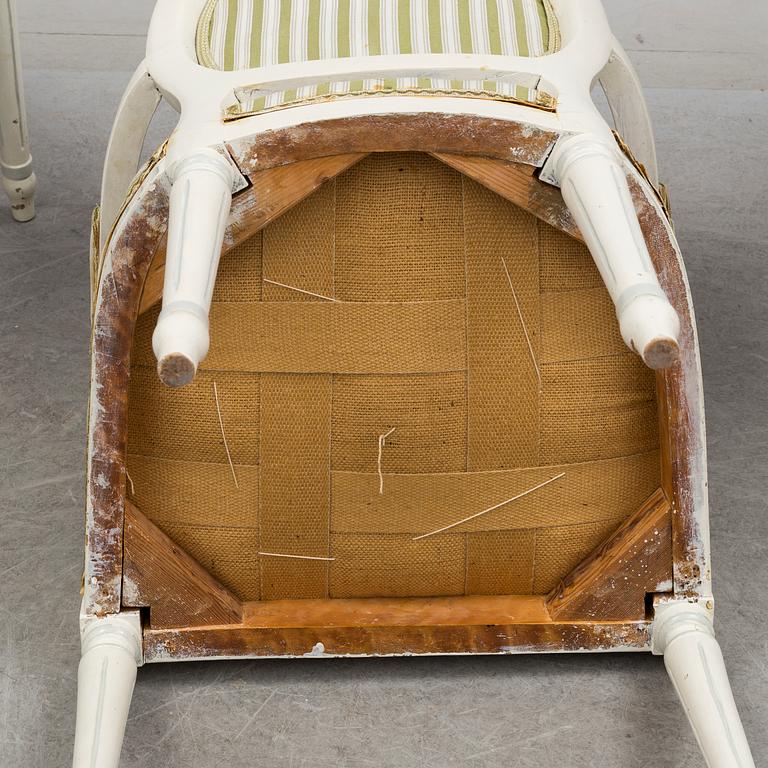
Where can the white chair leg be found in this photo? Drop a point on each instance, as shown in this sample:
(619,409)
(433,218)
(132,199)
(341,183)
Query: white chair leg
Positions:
(683,633)
(596,192)
(199,205)
(15,159)
(111,653)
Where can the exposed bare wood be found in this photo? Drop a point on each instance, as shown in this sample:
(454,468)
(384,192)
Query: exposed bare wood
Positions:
(418,132)
(160,575)
(612,582)
(681,411)
(121,279)
(272,193)
(517,183)
(488,624)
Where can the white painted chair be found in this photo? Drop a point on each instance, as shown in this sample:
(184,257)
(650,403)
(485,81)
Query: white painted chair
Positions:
(204,165)
(15,159)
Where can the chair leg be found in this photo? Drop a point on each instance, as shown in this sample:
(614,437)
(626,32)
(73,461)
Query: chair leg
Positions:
(15,159)
(596,192)
(111,653)
(683,633)
(198,209)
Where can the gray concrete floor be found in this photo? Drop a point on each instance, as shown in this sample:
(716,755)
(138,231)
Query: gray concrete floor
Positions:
(704,63)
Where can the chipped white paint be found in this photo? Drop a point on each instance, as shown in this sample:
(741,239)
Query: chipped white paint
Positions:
(96,584)
(693,490)
(318,649)
(131,594)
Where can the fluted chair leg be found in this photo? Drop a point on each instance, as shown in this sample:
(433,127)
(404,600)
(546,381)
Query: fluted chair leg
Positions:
(199,205)
(111,653)
(596,192)
(683,632)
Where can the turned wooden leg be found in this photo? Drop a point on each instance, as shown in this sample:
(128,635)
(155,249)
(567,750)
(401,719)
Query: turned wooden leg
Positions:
(683,633)
(596,192)
(111,653)
(197,215)
(15,159)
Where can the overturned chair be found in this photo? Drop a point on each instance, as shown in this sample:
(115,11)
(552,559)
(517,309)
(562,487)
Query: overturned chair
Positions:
(392,353)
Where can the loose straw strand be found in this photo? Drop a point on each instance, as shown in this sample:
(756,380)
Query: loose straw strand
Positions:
(130,482)
(522,322)
(490,509)
(382,443)
(223,436)
(296,557)
(299,290)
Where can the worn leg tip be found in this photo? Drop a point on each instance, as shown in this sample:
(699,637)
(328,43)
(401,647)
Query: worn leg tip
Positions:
(661,353)
(176,370)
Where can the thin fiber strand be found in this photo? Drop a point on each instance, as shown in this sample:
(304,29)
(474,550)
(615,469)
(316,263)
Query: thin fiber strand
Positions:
(223,436)
(300,290)
(296,557)
(382,443)
(522,322)
(490,509)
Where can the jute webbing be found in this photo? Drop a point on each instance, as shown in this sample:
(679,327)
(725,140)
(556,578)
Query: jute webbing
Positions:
(330,336)
(502,385)
(564,263)
(420,503)
(579,324)
(195,493)
(428,411)
(294,490)
(399,231)
(239,277)
(486,549)
(185,426)
(299,252)
(371,565)
(391,389)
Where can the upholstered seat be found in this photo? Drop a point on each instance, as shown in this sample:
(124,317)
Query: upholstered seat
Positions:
(243,34)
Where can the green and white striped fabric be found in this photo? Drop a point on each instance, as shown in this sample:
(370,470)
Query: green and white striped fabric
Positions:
(244,34)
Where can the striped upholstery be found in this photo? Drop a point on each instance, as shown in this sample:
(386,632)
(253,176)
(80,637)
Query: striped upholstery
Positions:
(243,34)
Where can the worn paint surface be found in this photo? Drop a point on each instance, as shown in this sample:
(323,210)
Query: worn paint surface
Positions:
(123,272)
(261,642)
(425,132)
(684,464)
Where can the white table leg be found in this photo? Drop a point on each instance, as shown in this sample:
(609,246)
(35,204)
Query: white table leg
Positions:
(15,159)
(683,633)
(111,653)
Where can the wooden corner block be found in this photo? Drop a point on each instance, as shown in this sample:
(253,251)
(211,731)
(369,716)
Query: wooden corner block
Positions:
(612,582)
(159,575)
(517,183)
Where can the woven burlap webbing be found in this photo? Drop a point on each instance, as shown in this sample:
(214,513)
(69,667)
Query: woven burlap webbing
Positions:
(402,350)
